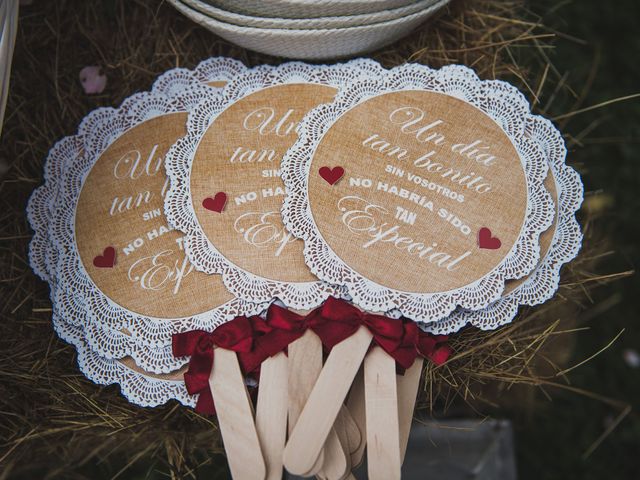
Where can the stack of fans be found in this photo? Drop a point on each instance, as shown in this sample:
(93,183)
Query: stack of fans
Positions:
(285,247)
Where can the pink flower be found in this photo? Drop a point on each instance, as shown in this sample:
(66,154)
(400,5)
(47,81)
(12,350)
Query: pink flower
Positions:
(93,80)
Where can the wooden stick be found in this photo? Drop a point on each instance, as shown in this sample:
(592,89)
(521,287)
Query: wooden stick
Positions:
(317,467)
(356,405)
(235,416)
(305,361)
(381,398)
(408,385)
(319,414)
(305,364)
(337,462)
(342,429)
(271,413)
(354,436)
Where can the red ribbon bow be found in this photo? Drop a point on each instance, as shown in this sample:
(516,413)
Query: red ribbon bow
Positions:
(254,340)
(396,337)
(433,347)
(288,326)
(401,339)
(237,335)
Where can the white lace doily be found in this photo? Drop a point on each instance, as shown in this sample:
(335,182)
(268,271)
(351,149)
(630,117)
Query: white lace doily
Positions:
(542,283)
(143,390)
(501,102)
(53,253)
(42,256)
(178,203)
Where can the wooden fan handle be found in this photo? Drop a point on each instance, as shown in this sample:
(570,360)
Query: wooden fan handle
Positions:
(408,385)
(271,413)
(235,417)
(320,412)
(383,432)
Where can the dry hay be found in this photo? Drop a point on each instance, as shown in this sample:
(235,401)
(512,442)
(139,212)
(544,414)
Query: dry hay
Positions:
(53,419)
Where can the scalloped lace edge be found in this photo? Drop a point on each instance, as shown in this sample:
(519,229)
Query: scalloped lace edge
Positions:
(175,90)
(179,208)
(500,101)
(565,245)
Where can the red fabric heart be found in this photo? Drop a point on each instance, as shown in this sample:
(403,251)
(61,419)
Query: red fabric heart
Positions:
(107,259)
(217,203)
(331,175)
(485,240)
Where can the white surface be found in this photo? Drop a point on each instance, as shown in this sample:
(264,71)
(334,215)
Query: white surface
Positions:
(313,44)
(307,23)
(307,8)
(9,28)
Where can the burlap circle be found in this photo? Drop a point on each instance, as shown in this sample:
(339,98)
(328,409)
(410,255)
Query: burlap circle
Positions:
(240,155)
(424,172)
(121,206)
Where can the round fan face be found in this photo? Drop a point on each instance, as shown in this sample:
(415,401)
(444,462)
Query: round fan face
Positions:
(421,190)
(226,186)
(433,196)
(125,244)
(235,182)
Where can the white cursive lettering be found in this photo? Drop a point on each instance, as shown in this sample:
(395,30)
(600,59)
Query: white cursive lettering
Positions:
(157,272)
(263,229)
(363,217)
